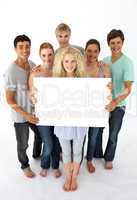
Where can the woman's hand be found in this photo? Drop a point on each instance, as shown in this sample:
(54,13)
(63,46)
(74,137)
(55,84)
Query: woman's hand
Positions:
(32,96)
(102,63)
(110,86)
(35,69)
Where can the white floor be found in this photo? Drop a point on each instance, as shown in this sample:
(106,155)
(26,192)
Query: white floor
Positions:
(120,183)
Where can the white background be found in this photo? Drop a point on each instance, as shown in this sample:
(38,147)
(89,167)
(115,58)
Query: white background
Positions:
(87,19)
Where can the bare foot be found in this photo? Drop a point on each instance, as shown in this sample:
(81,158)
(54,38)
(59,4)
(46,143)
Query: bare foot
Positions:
(43,172)
(67,185)
(56,173)
(108,165)
(90,167)
(29,173)
(74,184)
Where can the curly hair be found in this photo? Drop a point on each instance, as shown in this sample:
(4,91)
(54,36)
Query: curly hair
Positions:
(58,69)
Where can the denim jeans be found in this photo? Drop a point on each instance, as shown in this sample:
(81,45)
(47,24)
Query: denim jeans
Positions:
(37,145)
(92,138)
(22,137)
(51,147)
(115,123)
(98,153)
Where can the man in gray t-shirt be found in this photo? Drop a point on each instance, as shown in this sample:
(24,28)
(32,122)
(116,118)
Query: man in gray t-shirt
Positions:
(16,81)
(17,97)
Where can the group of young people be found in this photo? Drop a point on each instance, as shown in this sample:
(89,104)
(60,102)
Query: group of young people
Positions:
(66,142)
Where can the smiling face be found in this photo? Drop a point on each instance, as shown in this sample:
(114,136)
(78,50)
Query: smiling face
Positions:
(116,45)
(23,50)
(69,63)
(47,56)
(92,53)
(63,38)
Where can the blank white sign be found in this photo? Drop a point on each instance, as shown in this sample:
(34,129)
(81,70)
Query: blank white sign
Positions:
(72,101)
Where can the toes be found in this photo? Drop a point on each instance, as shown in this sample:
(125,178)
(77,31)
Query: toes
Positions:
(43,173)
(67,185)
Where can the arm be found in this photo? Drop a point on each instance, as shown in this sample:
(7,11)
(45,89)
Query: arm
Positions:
(32,89)
(107,74)
(107,71)
(127,90)
(10,97)
(30,81)
(105,68)
(35,69)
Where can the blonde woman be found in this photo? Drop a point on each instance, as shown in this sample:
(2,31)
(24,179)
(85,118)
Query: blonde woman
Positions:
(51,147)
(69,62)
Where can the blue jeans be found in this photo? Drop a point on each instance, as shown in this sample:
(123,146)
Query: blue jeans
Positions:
(51,147)
(22,137)
(92,138)
(98,153)
(115,123)
(37,145)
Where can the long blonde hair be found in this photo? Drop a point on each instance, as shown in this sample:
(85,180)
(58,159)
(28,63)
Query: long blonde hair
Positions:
(58,69)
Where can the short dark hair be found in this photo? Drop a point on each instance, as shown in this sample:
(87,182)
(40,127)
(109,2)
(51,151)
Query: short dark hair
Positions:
(21,38)
(92,41)
(115,33)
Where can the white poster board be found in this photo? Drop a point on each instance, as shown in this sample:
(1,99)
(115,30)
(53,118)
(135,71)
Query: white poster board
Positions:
(72,101)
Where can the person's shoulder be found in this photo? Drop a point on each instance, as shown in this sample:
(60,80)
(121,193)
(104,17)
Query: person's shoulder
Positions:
(32,64)
(105,65)
(11,72)
(60,50)
(127,62)
(127,59)
(11,68)
(56,51)
(107,59)
(106,68)
(81,49)
(35,71)
(77,47)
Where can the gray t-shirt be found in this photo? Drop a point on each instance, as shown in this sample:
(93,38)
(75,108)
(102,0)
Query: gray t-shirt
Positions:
(79,48)
(16,80)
